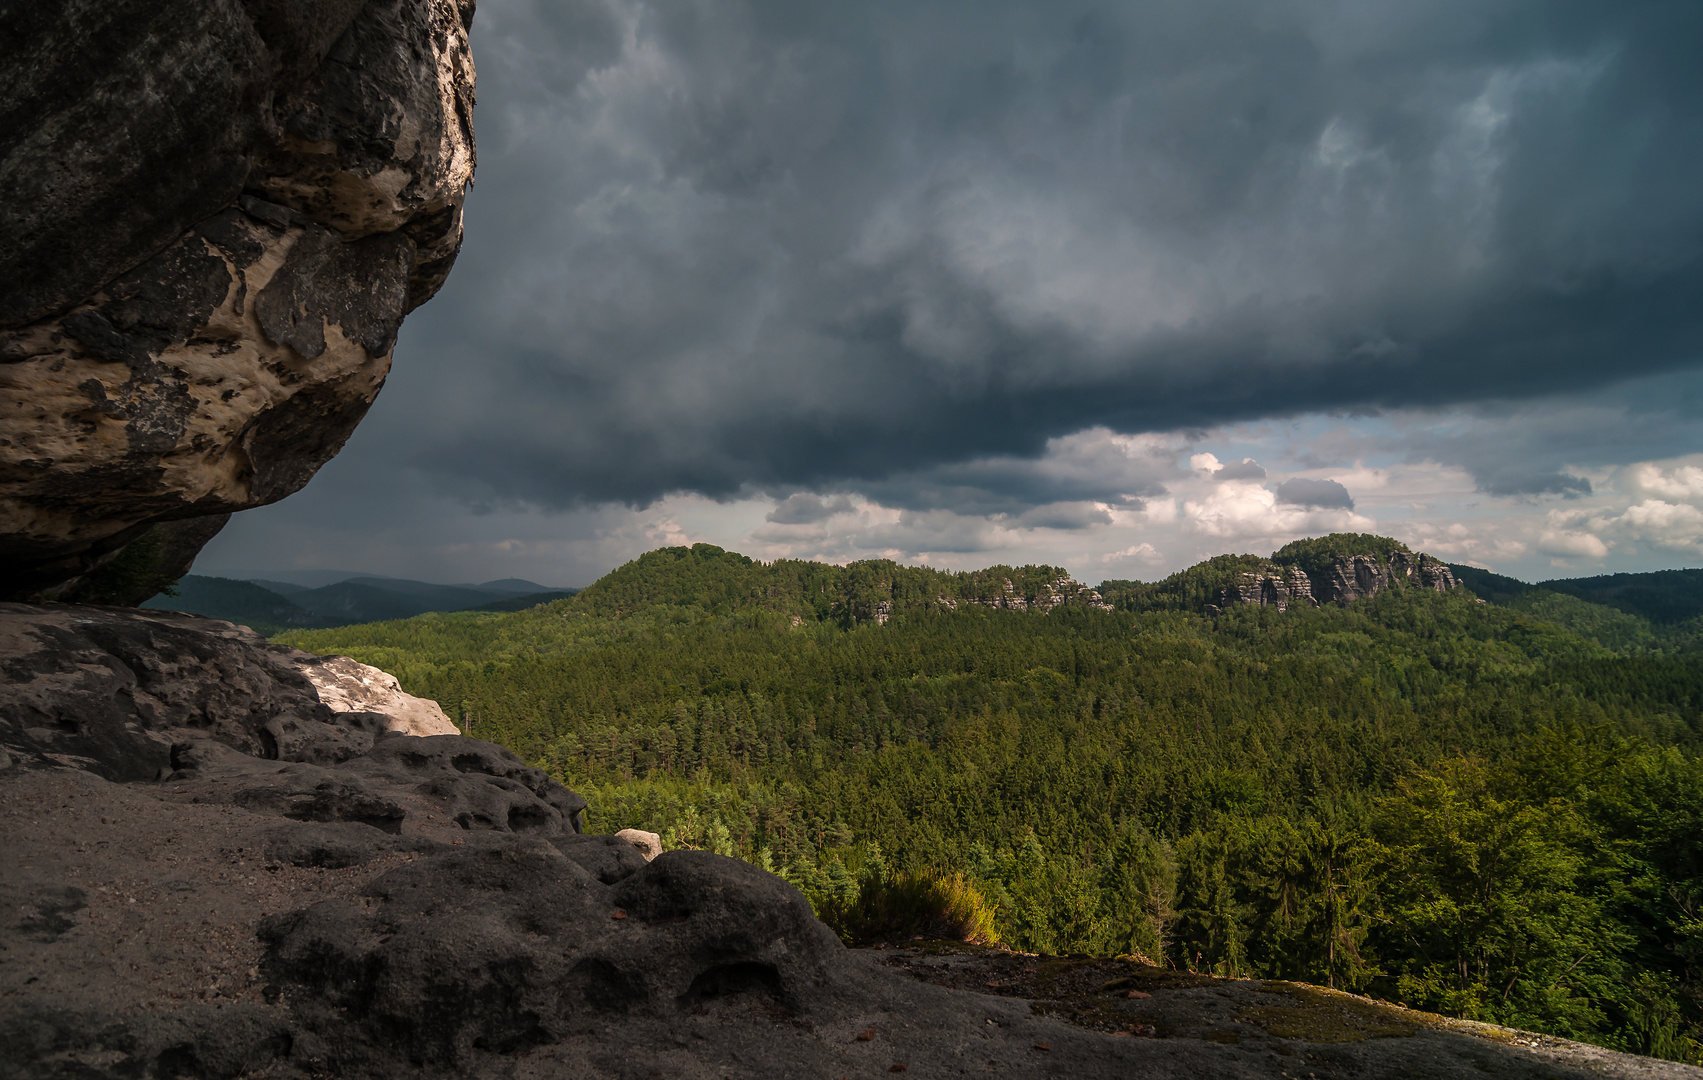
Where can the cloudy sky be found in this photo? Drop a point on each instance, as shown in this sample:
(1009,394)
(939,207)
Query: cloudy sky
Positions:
(1114,286)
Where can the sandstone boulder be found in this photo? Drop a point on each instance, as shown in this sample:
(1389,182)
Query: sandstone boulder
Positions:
(213,217)
(502,949)
(648,843)
(348,686)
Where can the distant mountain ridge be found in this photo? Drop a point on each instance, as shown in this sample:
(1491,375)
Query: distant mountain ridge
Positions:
(1339,568)
(1660,611)
(1657,611)
(245,603)
(269,606)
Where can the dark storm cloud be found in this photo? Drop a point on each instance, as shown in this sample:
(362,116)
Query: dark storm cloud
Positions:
(1535,447)
(803,509)
(895,248)
(1246,469)
(1068,516)
(1086,467)
(1523,481)
(1319,494)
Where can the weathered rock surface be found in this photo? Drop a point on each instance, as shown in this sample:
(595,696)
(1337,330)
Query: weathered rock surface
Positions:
(397,905)
(213,216)
(348,686)
(118,691)
(1349,578)
(147,934)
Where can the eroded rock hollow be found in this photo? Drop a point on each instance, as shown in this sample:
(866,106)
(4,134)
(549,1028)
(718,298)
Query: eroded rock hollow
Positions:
(214,215)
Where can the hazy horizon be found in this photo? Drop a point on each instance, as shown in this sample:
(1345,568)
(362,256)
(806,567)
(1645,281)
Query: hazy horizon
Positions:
(301,577)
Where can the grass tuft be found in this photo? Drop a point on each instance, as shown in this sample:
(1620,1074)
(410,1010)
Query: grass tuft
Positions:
(906,907)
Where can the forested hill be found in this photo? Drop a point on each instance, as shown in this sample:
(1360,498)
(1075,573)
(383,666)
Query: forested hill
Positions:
(706,578)
(1656,613)
(1664,597)
(1469,806)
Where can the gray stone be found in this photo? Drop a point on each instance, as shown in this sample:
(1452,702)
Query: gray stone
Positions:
(335,845)
(295,739)
(606,858)
(499,950)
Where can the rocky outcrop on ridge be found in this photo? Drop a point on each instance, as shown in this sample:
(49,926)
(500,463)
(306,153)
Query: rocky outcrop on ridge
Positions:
(1347,579)
(1003,595)
(1356,577)
(1060,592)
(185,892)
(214,215)
(1281,587)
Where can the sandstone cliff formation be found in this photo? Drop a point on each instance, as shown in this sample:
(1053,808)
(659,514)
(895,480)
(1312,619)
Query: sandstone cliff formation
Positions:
(1281,587)
(214,215)
(1358,576)
(1060,592)
(1346,579)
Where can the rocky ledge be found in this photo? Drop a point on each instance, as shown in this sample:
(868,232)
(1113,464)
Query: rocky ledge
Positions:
(221,857)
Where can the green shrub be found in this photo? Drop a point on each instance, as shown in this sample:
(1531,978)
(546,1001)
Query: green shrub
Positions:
(931,906)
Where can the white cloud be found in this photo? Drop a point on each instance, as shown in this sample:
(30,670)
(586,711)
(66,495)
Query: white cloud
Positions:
(1567,543)
(1145,552)
(1245,510)
(1681,483)
(1675,526)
